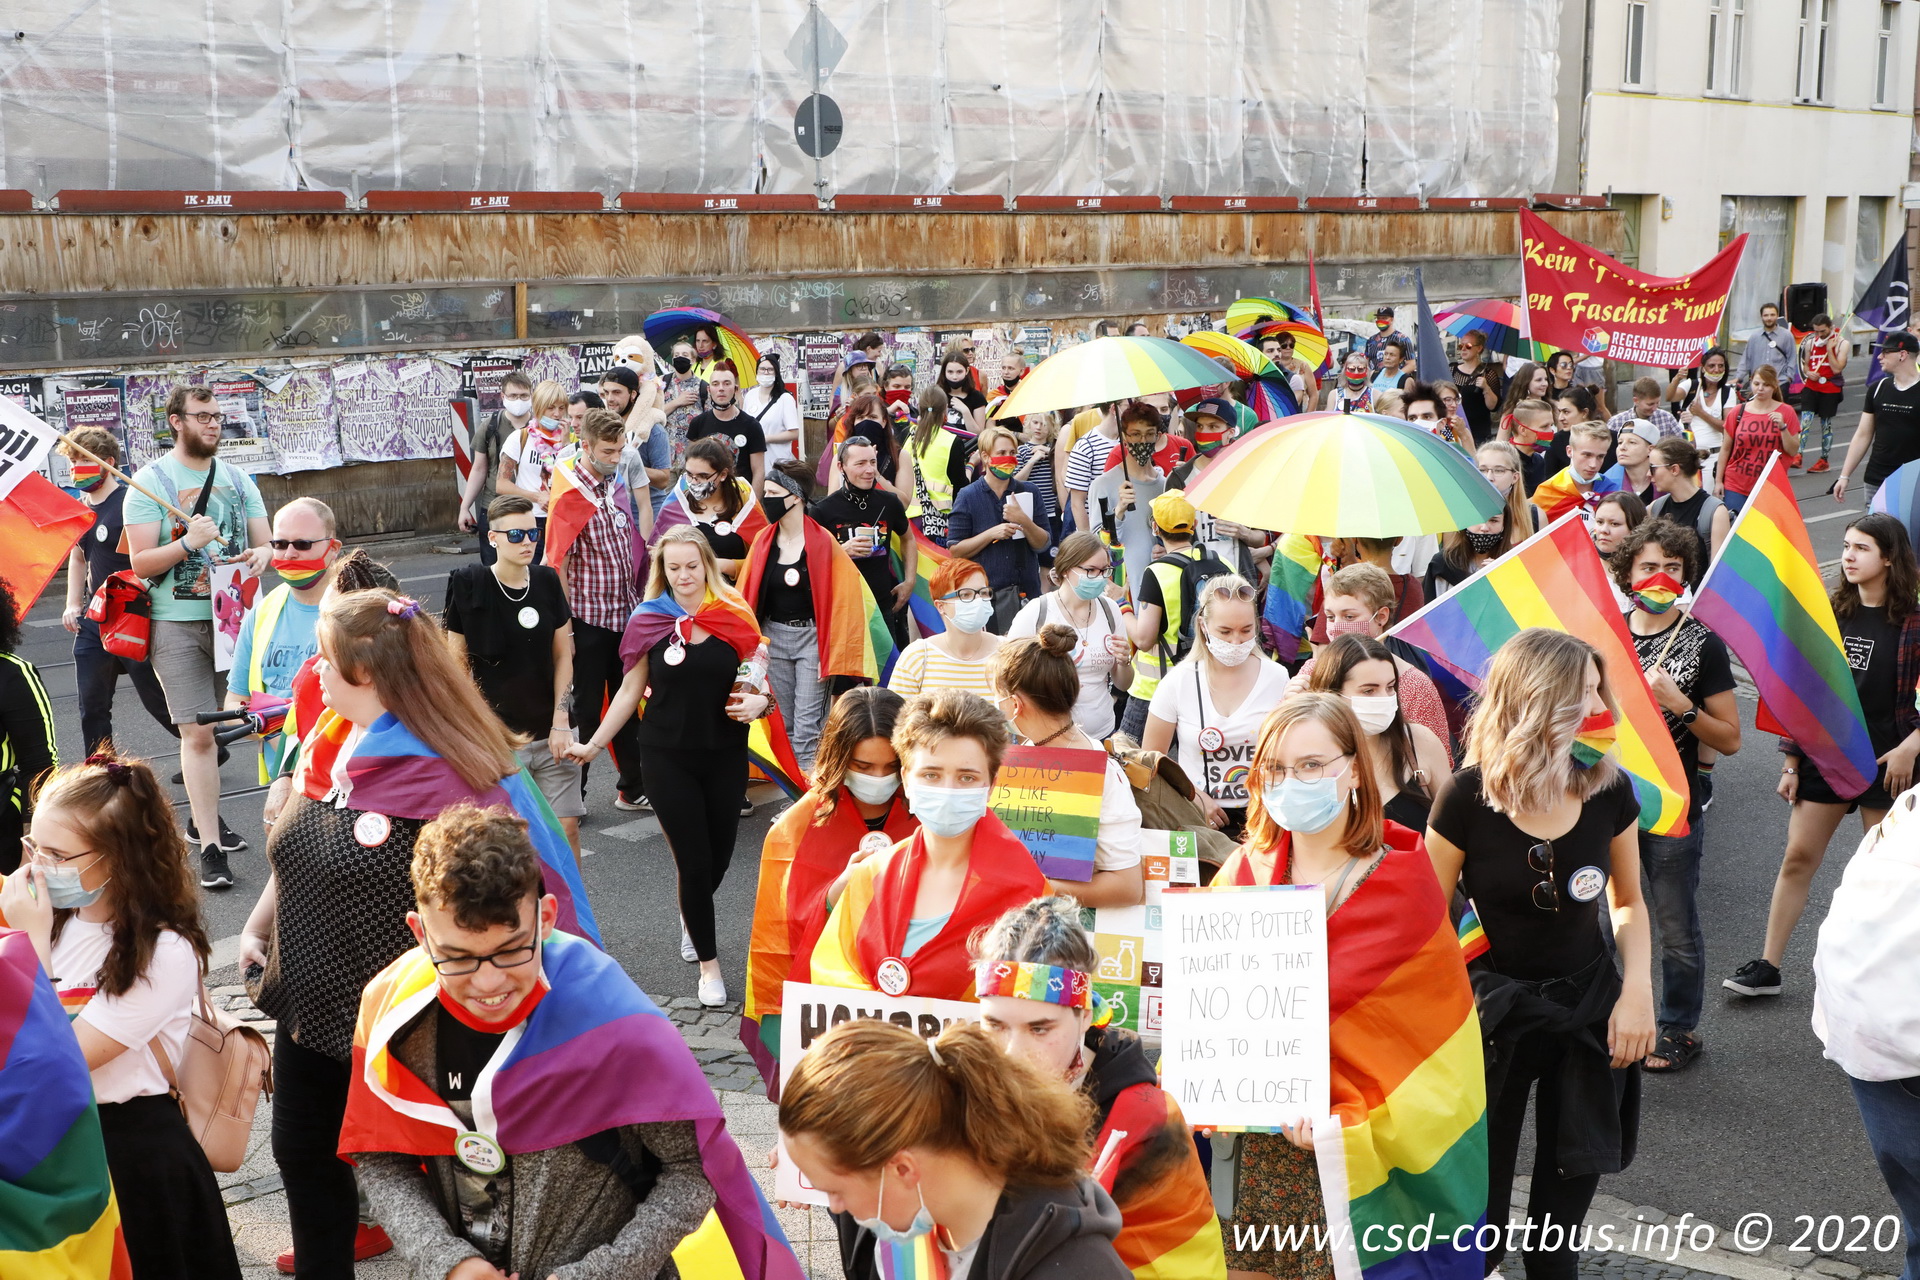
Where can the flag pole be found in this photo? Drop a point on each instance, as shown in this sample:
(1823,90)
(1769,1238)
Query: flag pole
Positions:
(1668,646)
(121,476)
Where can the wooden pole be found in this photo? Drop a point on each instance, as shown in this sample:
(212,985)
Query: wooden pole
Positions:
(1664,649)
(122,476)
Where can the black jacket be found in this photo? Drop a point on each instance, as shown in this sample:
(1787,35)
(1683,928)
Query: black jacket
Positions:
(1048,1233)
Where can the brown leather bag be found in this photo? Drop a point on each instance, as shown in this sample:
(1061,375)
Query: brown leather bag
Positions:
(222,1073)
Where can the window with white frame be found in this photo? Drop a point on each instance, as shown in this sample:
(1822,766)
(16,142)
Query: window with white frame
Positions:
(1810,68)
(1636,71)
(1726,46)
(1883,67)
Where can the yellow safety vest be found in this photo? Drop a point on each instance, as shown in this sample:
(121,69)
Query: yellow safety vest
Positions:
(266,616)
(931,464)
(1148,670)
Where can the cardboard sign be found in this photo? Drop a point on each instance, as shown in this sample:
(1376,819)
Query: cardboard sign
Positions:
(809,1012)
(1050,797)
(1246,1045)
(1128,939)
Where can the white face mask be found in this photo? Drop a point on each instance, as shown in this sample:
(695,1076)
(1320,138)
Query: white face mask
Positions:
(766,378)
(517,408)
(1376,713)
(1229,655)
(869,788)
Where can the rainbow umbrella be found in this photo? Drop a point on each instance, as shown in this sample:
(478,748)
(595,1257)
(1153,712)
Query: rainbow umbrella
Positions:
(1110,369)
(1499,321)
(1247,361)
(663,327)
(1245,313)
(1271,399)
(1309,344)
(1899,497)
(1345,475)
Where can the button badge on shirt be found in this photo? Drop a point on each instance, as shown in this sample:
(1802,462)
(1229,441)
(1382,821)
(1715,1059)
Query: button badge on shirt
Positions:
(371,829)
(529,617)
(893,976)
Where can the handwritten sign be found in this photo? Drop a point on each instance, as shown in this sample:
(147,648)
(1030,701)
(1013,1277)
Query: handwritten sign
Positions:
(1245,1045)
(810,1011)
(1128,939)
(1050,797)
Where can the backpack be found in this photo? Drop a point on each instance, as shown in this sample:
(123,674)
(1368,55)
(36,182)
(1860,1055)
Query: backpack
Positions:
(124,611)
(1194,571)
(1702,523)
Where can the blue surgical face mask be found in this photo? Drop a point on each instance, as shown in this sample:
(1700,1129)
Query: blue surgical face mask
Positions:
(870,788)
(948,811)
(922,1221)
(64,891)
(972,616)
(1304,807)
(1089,588)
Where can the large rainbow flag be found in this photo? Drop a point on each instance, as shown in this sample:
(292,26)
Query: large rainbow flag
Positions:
(58,1217)
(853,636)
(1764,597)
(928,557)
(1560,493)
(1555,580)
(1296,567)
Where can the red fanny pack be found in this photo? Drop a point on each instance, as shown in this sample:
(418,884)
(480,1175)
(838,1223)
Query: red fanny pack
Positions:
(125,613)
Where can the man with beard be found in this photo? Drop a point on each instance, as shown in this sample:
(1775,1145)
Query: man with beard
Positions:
(226,521)
(862,515)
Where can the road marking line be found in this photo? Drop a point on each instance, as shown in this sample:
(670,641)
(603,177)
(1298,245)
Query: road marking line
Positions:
(1831,515)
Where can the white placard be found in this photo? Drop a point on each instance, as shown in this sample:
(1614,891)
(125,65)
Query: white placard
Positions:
(1245,1043)
(234,592)
(24,444)
(809,1012)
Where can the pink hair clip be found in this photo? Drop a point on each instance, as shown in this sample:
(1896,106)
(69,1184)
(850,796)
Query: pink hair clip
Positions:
(403,607)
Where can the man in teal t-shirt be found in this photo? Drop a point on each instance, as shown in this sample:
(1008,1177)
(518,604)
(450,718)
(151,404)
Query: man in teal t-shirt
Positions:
(278,634)
(177,556)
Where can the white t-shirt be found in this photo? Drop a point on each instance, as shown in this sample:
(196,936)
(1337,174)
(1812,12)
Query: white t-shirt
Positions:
(1223,767)
(1117,845)
(784,415)
(159,1004)
(1093,711)
(542,457)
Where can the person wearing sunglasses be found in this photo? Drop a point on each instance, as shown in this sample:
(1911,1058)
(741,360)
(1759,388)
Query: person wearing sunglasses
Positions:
(955,658)
(1539,824)
(1278,347)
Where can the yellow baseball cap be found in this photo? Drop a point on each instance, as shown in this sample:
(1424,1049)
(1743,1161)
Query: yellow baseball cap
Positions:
(1172,512)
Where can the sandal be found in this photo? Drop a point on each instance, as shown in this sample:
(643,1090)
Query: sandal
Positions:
(1677,1049)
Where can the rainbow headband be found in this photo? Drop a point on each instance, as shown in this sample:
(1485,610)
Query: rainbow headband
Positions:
(1055,984)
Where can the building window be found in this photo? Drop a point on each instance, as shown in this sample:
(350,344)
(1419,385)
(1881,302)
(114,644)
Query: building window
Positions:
(1810,70)
(1726,46)
(1636,73)
(1883,55)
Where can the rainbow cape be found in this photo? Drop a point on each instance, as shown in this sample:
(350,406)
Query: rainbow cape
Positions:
(1555,580)
(1558,494)
(1764,597)
(549,1084)
(393,772)
(676,511)
(58,1216)
(928,557)
(1296,567)
(853,636)
(571,503)
(1409,1080)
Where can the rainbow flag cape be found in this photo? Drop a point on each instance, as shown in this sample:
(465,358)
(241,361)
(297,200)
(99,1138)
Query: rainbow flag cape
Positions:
(1558,494)
(58,1217)
(1555,580)
(675,511)
(1296,567)
(853,635)
(770,750)
(929,556)
(1764,597)
(571,504)
(549,1084)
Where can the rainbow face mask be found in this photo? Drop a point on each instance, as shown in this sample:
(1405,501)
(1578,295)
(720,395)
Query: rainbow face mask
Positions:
(86,476)
(1001,466)
(299,574)
(1209,442)
(1595,739)
(1657,593)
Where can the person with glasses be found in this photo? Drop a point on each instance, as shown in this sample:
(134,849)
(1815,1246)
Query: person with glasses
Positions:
(1504,468)
(482,1174)
(1316,820)
(1000,523)
(1278,347)
(1684,499)
(225,521)
(1534,830)
(713,498)
(1480,382)
(107,897)
(1089,601)
(955,658)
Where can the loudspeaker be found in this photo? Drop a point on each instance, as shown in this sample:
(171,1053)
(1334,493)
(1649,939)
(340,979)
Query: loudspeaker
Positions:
(1804,302)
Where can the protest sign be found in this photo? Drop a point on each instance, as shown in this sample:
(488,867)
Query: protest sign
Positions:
(24,443)
(1245,1040)
(29,393)
(595,359)
(809,1012)
(1050,798)
(1581,300)
(234,591)
(1128,939)
(95,407)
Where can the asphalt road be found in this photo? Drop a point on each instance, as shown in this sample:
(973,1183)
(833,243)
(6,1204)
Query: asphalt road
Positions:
(1760,1124)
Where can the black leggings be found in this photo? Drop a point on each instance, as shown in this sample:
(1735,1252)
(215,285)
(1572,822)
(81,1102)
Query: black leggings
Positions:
(170,1208)
(696,794)
(323,1203)
(1556,1205)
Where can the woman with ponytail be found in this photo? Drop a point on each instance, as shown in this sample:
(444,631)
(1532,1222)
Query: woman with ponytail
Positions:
(107,898)
(949,1154)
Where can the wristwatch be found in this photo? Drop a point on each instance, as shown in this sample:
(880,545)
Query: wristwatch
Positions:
(1692,714)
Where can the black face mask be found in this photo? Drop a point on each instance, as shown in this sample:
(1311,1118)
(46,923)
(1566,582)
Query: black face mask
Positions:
(1484,544)
(774,508)
(1141,451)
(682,365)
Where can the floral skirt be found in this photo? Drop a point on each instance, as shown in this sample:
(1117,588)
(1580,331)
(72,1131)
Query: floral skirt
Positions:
(1278,1211)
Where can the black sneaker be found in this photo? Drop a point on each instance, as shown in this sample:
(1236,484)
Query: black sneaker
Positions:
(213,869)
(229,841)
(746,807)
(1754,978)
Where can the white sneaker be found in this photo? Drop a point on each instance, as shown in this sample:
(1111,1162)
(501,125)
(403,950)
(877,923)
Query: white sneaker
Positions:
(687,952)
(713,992)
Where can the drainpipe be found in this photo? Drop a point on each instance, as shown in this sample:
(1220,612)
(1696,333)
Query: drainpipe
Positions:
(1586,94)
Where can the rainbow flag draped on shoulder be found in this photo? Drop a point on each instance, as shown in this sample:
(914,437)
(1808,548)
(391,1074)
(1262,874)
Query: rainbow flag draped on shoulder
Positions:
(928,557)
(853,635)
(572,501)
(1763,596)
(1555,580)
(676,511)
(58,1217)
(1559,494)
(549,1084)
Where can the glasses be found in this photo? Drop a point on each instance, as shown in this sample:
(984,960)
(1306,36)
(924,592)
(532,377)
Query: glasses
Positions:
(967,595)
(203,417)
(297,544)
(1491,472)
(518,536)
(1239,591)
(47,858)
(1092,570)
(511,958)
(1546,894)
(1305,771)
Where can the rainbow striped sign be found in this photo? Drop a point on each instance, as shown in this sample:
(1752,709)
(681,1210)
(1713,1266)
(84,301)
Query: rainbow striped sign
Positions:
(1050,798)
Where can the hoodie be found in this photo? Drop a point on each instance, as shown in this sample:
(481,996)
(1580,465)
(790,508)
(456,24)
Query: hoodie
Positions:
(1051,1233)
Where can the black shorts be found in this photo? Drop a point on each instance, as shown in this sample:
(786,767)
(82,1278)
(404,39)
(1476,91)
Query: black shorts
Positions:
(1814,787)
(1821,404)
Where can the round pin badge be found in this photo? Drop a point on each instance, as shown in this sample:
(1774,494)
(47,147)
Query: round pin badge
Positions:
(739,442)
(372,829)
(722,529)
(1211,739)
(893,976)
(1585,884)
(479,1153)
(529,617)
(793,577)
(676,654)
(875,842)
(99,533)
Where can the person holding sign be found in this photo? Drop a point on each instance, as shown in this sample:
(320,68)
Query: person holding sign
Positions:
(1408,760)
(1539,824)
(1316,819)
(1036,686)
(901,919)
(951,1157)
(1034,972)
(854,809)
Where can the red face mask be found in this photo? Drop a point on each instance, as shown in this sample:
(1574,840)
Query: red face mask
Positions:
(899,395)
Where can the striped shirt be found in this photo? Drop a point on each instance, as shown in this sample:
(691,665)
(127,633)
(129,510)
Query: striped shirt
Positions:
(924,668)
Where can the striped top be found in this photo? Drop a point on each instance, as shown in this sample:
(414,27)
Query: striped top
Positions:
(924,667)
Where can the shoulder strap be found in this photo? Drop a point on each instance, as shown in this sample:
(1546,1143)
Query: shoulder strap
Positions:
(1040,620)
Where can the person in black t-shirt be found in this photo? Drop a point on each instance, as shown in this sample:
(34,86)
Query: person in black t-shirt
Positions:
(1692,679)
(1538,824)
(861,515)
(1683,499)
(511,623)
(1890,421)
(730,422)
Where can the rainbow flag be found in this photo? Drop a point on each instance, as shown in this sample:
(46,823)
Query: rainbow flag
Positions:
(58,1217)
(1764,597)
(853,636)
(1559,494)
(770,750)
(1473,936)
(1555,580)
(929,556)
(549,1085)
(910,1260)
(1296,567)
(570,505)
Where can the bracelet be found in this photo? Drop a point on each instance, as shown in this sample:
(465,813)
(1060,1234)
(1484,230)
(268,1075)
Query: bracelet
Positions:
(1785,773)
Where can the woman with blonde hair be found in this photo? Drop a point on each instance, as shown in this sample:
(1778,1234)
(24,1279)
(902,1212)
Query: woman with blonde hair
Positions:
(1084,599)
(528,457)
(1540,821)
(1500,462)
(406,733)
(690,639)
(938,453)
(954,1142)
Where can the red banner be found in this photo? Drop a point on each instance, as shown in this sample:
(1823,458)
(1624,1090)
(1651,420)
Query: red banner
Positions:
(1583,301)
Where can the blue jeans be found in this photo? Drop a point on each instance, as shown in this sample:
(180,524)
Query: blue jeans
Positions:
(1734,501)
(96,674)
(1890,1110)
(1133,721)
(1671,868)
